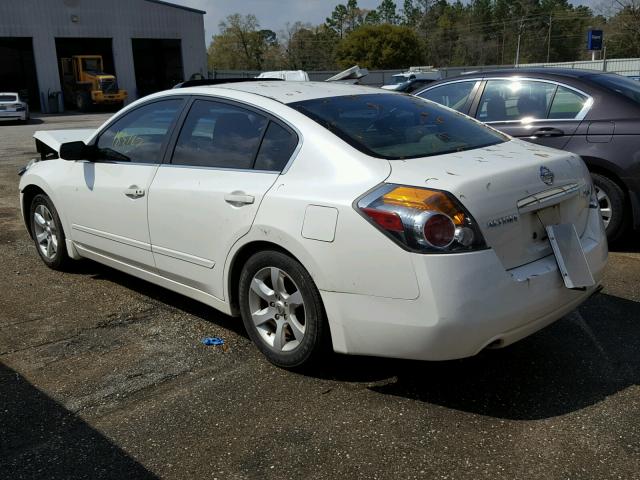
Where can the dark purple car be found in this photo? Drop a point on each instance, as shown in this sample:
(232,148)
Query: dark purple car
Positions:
(591,113)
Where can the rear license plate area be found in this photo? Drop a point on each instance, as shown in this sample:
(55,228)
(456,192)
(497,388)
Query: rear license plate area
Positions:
(569,255)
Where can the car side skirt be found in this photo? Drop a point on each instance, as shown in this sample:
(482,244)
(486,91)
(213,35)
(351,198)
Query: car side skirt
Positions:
(156,279)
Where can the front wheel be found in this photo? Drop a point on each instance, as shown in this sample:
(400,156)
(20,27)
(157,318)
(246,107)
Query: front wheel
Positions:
(611,200)
(48,234)
(83,101)
(282,310)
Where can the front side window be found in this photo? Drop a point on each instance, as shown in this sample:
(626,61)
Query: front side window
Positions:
(93,65)
(220,135)
(138,136)
(452,95)
(514,99)
(397,126)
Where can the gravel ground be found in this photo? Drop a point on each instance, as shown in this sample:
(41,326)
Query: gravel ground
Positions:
(104,376)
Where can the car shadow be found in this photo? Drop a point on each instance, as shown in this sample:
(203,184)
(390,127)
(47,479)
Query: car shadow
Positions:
(31,121)
(590,354)
(576,362)
(39,438)
(629,243)
(175,300)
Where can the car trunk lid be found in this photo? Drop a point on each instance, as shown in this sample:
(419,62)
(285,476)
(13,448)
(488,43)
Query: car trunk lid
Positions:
(512,190)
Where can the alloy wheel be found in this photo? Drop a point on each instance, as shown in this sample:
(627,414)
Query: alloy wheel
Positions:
(46,231)
(604,202)
(277,309)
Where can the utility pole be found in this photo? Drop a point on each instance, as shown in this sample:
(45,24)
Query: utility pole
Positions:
(549,40)
(519,36)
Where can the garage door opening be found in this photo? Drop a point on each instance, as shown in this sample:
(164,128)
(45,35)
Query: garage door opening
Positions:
(18,69)
(158,64)
(69,47)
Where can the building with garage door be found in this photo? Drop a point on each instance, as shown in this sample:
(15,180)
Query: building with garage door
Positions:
(149,45)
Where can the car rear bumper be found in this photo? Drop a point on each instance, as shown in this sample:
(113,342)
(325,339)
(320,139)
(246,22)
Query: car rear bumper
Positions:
(11,116)
(467,302)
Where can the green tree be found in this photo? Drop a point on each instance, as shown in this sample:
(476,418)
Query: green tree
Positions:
(622,33)
(346,18)
(309,48)
(387,12)
(338,20)
(379,46)
(242,45)
(372,17)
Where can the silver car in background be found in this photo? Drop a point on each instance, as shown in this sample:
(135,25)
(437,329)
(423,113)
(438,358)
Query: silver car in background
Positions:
(12,108)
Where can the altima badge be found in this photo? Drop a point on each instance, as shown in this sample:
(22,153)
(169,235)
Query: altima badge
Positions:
(546,175)
(496,222)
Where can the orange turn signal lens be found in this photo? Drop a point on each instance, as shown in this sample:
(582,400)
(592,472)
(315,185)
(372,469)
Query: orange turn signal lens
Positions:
(424,199)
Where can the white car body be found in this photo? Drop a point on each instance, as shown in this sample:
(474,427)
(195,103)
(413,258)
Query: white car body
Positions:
(380,299)
(12,108)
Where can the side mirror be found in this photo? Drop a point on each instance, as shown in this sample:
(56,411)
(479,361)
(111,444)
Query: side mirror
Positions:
(74,151)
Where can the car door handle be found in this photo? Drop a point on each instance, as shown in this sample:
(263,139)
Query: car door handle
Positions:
(237,199)
(134,191)
(548,132)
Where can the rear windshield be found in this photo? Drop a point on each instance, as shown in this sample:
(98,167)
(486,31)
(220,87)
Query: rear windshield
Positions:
(8,98)
(396,127)
(626,86)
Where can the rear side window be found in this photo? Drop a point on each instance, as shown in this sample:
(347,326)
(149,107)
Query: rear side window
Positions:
(566,104)
(138,136)
(276,149)
(397,126)
(513,99)
(452,95)
(220,135)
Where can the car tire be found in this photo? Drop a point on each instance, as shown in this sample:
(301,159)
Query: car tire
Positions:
(287,323)
(83,101)
(48,234)
(613,205)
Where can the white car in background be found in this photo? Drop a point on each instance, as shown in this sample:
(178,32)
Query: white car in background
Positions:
(326,214)
(288,75)
(12,108)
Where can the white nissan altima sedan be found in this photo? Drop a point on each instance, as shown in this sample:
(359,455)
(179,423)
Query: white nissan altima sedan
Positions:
(325,214)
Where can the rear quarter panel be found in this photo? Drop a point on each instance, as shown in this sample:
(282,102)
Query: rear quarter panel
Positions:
(359,259)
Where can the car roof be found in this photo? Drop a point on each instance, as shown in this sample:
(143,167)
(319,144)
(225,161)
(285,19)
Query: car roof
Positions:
(8,93)
(289,92)
(539,71)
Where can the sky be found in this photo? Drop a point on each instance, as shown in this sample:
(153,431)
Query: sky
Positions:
(275,14)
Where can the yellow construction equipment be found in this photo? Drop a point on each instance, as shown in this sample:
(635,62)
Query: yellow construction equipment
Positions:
(85,84)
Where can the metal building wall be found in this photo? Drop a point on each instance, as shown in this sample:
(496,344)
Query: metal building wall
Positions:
(121,20)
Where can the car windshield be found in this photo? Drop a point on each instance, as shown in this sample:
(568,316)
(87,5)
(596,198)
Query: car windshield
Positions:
(8,98)
(396,126)
(623,85)
(92,65)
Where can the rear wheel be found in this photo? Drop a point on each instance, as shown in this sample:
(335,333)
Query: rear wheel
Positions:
(611,199)
(282,310)
(48,234)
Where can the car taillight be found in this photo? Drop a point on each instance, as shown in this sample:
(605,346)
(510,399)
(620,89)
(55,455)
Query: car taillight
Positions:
(421,219)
